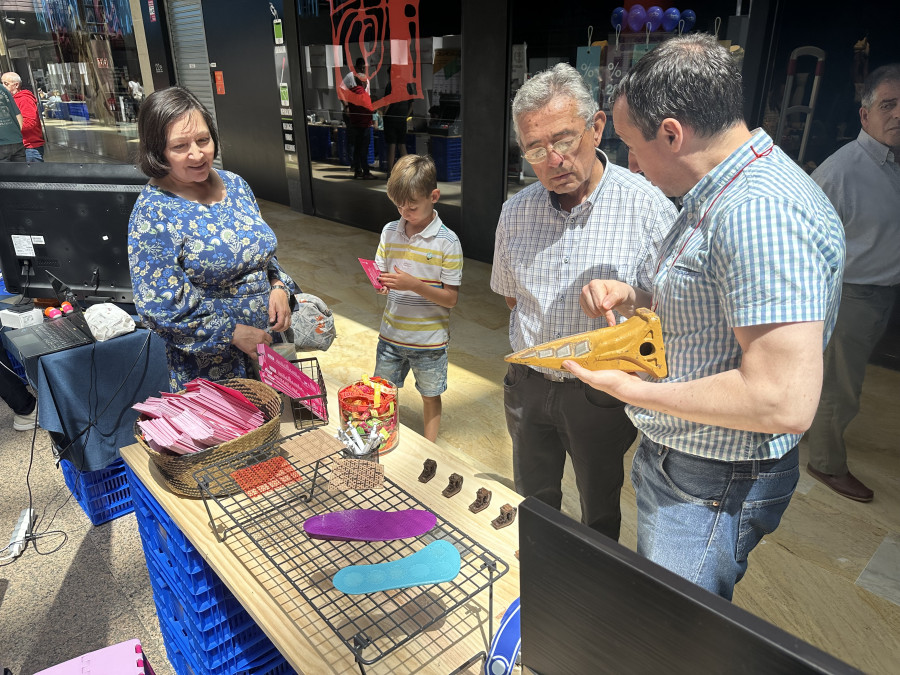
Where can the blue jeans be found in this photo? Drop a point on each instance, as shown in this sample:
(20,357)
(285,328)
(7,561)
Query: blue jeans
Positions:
(429,366)
(34,154)
(700,518)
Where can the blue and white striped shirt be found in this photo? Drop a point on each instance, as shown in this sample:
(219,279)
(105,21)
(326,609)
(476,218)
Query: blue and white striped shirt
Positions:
(543,256)
(769,250)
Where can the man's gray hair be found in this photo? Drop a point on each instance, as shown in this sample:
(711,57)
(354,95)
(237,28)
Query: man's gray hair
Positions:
(15,77)
(690,78)
(562,80)
(888,73)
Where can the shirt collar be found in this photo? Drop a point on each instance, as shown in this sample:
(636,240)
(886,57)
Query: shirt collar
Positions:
(879,151)
(713,182)
(553,198)
(430,230)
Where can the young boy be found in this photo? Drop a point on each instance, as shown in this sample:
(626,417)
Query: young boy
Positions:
(421,267)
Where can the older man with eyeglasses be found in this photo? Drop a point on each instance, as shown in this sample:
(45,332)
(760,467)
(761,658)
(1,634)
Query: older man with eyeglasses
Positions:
(585,217)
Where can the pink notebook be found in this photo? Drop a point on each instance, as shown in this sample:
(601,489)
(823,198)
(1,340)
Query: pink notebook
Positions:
(125,658)
(372,272)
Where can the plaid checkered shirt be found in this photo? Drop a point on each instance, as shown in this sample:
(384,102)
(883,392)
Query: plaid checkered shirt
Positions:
(543,256)
(770,250)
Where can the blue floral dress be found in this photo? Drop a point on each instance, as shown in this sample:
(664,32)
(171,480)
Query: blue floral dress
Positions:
(197,272)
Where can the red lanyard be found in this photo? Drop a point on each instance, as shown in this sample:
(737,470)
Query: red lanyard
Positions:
(756,156)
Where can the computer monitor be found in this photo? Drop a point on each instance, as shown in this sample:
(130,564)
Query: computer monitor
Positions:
(70,220)
(590,605)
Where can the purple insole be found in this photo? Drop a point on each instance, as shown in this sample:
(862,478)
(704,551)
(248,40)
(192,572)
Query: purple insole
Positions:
(369,525)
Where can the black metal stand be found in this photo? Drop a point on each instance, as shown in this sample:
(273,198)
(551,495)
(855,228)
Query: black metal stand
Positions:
(372,625)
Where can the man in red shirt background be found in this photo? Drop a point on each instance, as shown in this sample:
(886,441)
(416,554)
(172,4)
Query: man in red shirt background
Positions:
(32,132)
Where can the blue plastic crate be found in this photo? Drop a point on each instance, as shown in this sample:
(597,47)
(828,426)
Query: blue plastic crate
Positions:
(343,145)
(206,629)
(246,645)
(274,666)
(211,634)
(18,367)
(447,155)
(319,142)
(215,618)
(104,494)
(212,626)
(448,174)
(200,585)
(245,653)
(172,559)
(166,537)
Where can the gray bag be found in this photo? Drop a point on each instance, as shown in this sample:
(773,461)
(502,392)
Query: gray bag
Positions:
(312,323)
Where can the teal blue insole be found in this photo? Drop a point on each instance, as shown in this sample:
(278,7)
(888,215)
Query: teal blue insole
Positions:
(434,564)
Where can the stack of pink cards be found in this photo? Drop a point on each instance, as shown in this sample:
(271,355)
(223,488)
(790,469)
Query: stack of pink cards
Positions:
(203,416)
(277,372)
(372,272)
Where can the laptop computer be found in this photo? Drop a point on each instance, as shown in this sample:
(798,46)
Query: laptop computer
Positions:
(55,335)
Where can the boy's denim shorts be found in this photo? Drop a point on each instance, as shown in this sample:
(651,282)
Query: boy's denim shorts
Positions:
(428,365)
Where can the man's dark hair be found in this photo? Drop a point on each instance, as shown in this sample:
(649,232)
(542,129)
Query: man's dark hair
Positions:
(158,111)
(887,73)
(692,79)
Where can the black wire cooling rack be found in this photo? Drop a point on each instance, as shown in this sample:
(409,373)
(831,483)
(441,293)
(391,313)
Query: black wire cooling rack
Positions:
(271,515)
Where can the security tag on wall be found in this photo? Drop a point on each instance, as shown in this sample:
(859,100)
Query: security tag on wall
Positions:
(279,33)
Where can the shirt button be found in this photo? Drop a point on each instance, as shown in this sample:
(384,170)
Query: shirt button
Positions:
(559,335)
(566,259)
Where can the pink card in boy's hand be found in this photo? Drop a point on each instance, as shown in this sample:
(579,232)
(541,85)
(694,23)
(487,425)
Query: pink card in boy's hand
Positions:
(372,272)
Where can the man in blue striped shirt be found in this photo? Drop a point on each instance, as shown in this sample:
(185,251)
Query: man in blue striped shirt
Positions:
(586,218)
(747,290)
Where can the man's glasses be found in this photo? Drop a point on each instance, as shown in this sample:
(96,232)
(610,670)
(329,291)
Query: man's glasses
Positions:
(538,155)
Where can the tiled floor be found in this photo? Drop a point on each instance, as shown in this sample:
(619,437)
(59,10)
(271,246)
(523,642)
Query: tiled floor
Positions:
(73,142)
(828,575)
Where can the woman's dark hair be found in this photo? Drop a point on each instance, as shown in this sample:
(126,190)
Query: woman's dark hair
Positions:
(158,111)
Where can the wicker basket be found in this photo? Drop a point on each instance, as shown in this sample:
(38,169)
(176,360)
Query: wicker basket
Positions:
(177,470)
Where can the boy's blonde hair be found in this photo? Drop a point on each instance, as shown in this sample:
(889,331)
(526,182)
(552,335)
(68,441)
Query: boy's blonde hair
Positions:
(413,177)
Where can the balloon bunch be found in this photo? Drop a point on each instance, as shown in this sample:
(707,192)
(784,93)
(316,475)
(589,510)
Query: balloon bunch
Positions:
(639,19)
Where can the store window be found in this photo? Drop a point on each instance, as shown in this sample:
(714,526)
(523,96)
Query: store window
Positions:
(602,42)
(598,57)
(80,59)
(380,81)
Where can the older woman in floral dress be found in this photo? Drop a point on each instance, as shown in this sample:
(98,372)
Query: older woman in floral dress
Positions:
(202,258)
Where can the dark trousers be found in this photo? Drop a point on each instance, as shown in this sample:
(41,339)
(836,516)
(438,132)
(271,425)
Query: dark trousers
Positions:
(359,141)
(12,152)
(548,420)
(862,320)
(12,390)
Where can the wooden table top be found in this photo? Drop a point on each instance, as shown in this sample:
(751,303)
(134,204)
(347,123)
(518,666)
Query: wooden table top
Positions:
(304,639)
